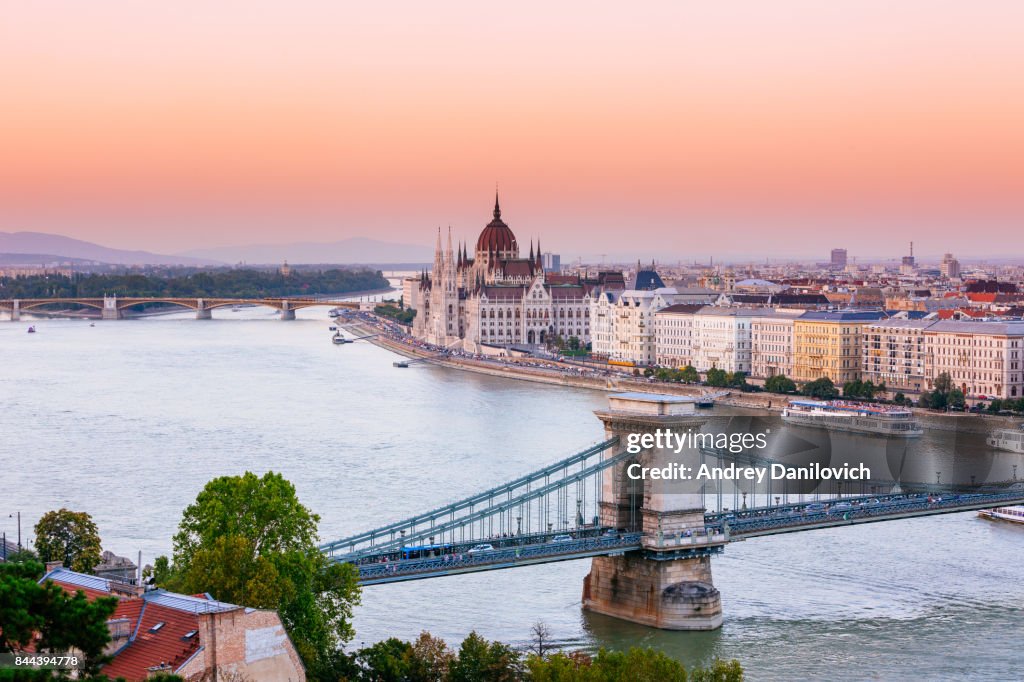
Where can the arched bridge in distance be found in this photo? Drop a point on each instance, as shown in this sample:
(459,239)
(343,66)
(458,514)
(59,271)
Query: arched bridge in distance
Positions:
(651,549)
(114,307)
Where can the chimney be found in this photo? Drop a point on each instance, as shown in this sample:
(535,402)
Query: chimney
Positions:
(53,565)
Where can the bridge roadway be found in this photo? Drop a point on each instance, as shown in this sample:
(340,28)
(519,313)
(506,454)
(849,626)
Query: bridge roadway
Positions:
(720,528)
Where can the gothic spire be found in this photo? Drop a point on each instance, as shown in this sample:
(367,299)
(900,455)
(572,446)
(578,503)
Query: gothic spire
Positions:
(497,207)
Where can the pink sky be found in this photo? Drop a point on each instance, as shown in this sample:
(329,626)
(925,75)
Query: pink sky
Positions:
(683,129)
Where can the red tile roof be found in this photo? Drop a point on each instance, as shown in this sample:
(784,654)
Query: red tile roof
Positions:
(146,648)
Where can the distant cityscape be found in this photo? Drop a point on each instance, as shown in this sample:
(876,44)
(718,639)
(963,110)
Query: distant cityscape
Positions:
(898,326)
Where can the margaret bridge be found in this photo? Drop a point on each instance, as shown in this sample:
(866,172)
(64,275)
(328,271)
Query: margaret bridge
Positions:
(650,542)
(115,307)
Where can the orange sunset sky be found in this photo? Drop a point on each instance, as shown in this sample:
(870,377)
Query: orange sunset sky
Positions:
(671,129)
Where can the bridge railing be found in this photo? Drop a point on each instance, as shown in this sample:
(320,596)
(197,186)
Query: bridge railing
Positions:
(496,500)
(385,570)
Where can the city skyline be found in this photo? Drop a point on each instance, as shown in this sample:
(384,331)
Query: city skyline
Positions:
(790,130)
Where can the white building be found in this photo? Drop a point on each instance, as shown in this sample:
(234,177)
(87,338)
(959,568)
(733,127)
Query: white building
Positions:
(721,338)
(982,358)
(771,342)
(673,334)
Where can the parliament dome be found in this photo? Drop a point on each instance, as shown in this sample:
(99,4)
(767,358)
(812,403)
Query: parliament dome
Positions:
(497,237)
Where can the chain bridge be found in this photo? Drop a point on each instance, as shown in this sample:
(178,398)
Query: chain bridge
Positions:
(650,542)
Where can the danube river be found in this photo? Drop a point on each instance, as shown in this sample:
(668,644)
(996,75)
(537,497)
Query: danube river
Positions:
(127,420)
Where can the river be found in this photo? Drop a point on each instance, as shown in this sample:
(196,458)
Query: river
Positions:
(128,420)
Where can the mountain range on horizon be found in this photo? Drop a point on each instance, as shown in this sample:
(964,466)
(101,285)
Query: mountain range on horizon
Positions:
(40,247)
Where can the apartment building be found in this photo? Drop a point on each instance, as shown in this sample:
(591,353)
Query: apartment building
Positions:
(771,342)
(895,353)
(673,334)
(721,338)
(830,344)
(983,358)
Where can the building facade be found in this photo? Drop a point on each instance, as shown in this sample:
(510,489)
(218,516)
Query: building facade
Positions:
(721,338)
(829,344)
(895,353)
(673,335)
(982,358)
(771,343)
(497,298)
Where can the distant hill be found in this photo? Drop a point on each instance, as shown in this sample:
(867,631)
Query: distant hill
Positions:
(40,259)
(32,244)
(353,250)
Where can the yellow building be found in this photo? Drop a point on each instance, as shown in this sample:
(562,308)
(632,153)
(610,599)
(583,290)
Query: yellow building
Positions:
(829,344)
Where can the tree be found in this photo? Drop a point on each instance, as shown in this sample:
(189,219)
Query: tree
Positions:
(386,661)
(779,383)
(248,540)
(70,537)
(820,388)
(648,372)
(429,659)
(483,661)
(49,618)
(716,377)
(956,399)
(574,343)
(690,375)
(943,383)
(995,406)
(541,639)
(900,399)
(737,380)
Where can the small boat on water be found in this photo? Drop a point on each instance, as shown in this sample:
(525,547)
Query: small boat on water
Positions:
(854,417)
(400,363)
(338,339)
(1011,514)
(1011,440)
(332,328)
(32,330)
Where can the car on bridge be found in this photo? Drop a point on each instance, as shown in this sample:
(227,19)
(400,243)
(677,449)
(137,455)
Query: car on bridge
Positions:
(479,549)
(814,508)
(840,507)
(558,539)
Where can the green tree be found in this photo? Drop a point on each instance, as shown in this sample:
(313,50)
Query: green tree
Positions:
(648,372)
(51,619)
(956,399)
(900,399)
(483,661)
(780,383)
(387,661)
(820,388)
(690,375)
(737,380)
(943,383)
(70,537)
(716,377)
(995,406)
(430,659)
(574,343)
(249,540)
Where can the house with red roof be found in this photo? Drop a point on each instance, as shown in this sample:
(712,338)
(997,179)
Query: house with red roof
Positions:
(156,631)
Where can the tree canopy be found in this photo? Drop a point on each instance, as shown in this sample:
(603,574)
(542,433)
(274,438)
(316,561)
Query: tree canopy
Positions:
(70,537)
(50,618)
(820,388)
(248,540)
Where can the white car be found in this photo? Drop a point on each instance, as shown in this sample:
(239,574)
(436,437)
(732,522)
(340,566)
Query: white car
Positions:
(561,538)
(477,549)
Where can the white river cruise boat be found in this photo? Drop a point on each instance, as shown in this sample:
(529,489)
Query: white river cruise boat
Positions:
(1011,440)
(1011,514)
(847,415)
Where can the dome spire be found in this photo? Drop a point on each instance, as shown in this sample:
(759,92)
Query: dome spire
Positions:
(497,207)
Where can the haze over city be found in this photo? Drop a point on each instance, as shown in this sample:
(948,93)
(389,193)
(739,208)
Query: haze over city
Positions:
(744,130)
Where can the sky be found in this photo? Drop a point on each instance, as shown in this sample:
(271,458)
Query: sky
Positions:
(679,129)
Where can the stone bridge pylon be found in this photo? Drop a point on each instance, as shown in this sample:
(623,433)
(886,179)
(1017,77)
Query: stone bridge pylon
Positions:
(666,584)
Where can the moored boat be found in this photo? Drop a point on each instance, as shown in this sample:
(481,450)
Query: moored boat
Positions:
(854,417)
(1011,440)
(1011,514)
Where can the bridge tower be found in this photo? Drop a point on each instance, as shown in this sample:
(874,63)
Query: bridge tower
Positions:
(15,310)
(667,584)
(110,310)
(202,312)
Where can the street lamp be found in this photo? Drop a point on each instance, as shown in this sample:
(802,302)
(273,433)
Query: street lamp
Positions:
(18,514)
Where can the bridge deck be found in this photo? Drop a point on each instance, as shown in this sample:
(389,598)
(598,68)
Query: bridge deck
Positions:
(390,566)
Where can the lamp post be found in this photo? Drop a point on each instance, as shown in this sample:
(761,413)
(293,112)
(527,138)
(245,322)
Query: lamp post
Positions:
(18,514)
